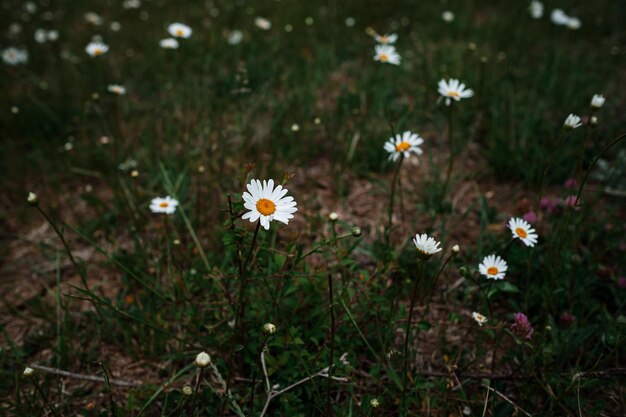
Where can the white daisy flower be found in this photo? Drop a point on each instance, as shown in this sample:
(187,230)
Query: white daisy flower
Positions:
(131,4)
(387,54)
(453,90)
(267,203)
(493,267)
(14,56)
(262,23)
(426,245)
(386,39)
(40,36)
(96,48)
(597,101)
(572,122)
(536,9)
(165,205)
(179,30)
(168,43)
(447,16)
(573,23)
(93,18)
(404,144)
(480,319)
(120,90)
(52,35)
(235,37)
(558,17)
(522,230)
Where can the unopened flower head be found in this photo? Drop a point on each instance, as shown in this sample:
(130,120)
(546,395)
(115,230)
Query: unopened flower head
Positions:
(356,231)
(203,360)
(536,9)
(333,217)
(573,23)
(269,328)
(522,230)
(120,90)
(453,89)
(187,390)
(262,23)
(572,122)
(166,205)
(404,144)
(235,37)
(93,18)
(456,249)
(28,372)
(386,39)
(96,48)
(14,56)
(597,101)
(179,30)
(32,199)
(522,327)
(447,16)
(493,267)
(266,203)
(374,403)
(426,245)
(479,318)
(593,121)
(168,43)
(386,54)
(558,17)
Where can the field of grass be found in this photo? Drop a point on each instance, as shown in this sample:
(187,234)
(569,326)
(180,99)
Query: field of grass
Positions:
(329,308)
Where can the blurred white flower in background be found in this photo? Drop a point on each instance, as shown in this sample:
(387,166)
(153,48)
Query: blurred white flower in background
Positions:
(387,54)
(262,23)
(536,9)
(447,16)
(14,56)
(234,37)
(179,30)
(168,43)
(96,48)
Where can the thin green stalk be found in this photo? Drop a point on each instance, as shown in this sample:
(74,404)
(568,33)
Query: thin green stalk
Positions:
(240,311)
(392,197)
(451,158)
(405,371)
(44,398)
(195,392)
(331,355)
(162,387)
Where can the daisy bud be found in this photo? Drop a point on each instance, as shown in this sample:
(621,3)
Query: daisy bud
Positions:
(356,231)
(374,403)
(455,249)
(187,390)
(597,101)
(28,372)
(32,199)
(333,217)
(269,328)
(572,122)
(593,121)
(203,360)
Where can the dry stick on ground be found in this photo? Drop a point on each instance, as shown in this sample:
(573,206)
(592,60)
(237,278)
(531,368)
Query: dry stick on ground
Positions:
(271,393)
(505,398)
(92,378)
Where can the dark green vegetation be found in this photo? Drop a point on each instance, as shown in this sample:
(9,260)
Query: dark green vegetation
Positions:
(146,292)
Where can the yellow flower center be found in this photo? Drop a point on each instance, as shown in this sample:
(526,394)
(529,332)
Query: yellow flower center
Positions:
(266,207)
(384,58)
(403,146)
(521,232)
(97,51)
(454,94)
(384,39)
(164,204)
(492,270)
(179,32)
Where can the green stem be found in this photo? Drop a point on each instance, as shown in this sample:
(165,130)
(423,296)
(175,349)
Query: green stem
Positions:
(331,359)
(407,336)
(451,158)
(392,197)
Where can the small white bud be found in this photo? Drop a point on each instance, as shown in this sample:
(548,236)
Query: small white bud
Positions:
(374,403)
(269,328)
(203,360)
(33,200)
(295,127)
(333,217)
(356,231)
(187,390)
(597,101)
(593,121)
(28,372)
(456,249)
